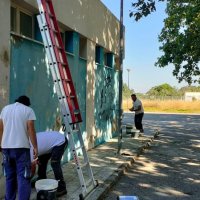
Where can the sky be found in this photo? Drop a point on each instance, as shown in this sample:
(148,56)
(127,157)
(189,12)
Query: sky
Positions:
(142,48)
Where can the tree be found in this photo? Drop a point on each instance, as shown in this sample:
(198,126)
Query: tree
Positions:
(180,37)
(126,91)
(180,40)
(162,91)
(143,8)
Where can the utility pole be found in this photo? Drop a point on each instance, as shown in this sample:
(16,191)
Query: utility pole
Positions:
(128,76)
(128,70)
(121,46)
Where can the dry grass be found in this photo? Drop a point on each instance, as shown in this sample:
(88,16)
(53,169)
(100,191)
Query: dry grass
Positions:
(175,106)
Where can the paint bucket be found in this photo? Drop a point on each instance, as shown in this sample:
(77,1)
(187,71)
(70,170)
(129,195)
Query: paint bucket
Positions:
(129,128)
(46,189)
(135,134)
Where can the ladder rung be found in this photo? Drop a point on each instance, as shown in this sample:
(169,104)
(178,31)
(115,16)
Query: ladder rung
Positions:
(89,182)
(64,64)
(75,131)
(67,80)
(84,164)
(54,30)
(80,147)
(46,26)
(60,48)
(50,15)
(76,112)
(72,96)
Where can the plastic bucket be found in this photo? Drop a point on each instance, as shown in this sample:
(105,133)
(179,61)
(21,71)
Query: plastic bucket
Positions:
(46,189)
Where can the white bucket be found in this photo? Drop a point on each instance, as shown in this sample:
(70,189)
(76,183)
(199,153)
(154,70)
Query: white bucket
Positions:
(46,188)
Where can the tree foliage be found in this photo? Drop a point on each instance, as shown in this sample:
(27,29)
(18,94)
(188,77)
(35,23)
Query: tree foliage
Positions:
(162,91)
(180,37)
(180,40)
(126,91)
(142,8)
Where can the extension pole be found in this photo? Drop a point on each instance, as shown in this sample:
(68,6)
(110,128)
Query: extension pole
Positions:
(121,44)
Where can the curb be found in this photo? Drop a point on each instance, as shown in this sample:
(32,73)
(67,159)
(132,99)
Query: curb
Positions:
(100,191)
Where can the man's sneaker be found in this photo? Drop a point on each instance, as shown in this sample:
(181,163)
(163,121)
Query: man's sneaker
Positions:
(61,192)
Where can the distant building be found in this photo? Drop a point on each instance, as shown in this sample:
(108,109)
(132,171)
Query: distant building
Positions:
(192,96)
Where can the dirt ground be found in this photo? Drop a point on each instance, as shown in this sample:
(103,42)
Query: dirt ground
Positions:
(170,168)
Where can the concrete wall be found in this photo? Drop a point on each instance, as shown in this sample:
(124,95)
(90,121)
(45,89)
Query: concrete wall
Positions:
(4,66)
(94,21)
(90,125)
(91,19)
(4,51)
(105,103)
(23,68)
(31,76)
(88,17)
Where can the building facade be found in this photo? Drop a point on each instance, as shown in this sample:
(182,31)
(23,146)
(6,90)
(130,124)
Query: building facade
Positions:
(192,96)
(90,34)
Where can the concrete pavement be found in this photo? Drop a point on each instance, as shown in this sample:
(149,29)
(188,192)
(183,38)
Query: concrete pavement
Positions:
(106,164)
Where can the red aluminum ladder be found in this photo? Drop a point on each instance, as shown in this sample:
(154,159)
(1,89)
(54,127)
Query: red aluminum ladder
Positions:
(58,65)
(61,59)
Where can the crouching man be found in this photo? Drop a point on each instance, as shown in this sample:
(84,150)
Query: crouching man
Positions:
(51,146)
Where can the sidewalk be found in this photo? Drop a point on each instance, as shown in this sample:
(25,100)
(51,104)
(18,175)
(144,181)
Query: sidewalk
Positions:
(107,166)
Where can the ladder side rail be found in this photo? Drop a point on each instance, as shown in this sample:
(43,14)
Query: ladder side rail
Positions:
(86,158)
(53,68)
(64,70)
(51,9)
(50,55)
(48,22)
(77,161)
(64,56)
(44,18)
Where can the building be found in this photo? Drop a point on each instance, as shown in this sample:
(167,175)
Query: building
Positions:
(192,96)
(90,33)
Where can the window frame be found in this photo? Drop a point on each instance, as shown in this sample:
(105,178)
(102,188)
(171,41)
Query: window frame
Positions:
(26,12)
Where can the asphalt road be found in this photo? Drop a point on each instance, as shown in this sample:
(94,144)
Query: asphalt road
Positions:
(170,168)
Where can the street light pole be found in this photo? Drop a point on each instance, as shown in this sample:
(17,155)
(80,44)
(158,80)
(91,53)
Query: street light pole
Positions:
(128,76)
(121,46)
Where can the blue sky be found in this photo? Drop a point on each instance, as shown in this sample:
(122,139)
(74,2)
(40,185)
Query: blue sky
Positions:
(142,48)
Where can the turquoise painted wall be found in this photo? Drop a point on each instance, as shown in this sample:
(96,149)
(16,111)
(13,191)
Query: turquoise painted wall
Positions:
(106,102)
(30,76)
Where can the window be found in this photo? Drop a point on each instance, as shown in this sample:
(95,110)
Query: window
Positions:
(82,47)
(110,59)
(26,25)
(21,22)
(98,55)
(69,41)
(13,19)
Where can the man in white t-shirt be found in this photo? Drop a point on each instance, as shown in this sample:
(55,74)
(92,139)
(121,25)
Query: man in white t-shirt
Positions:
(51,145)
(139,112)
(16,129)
